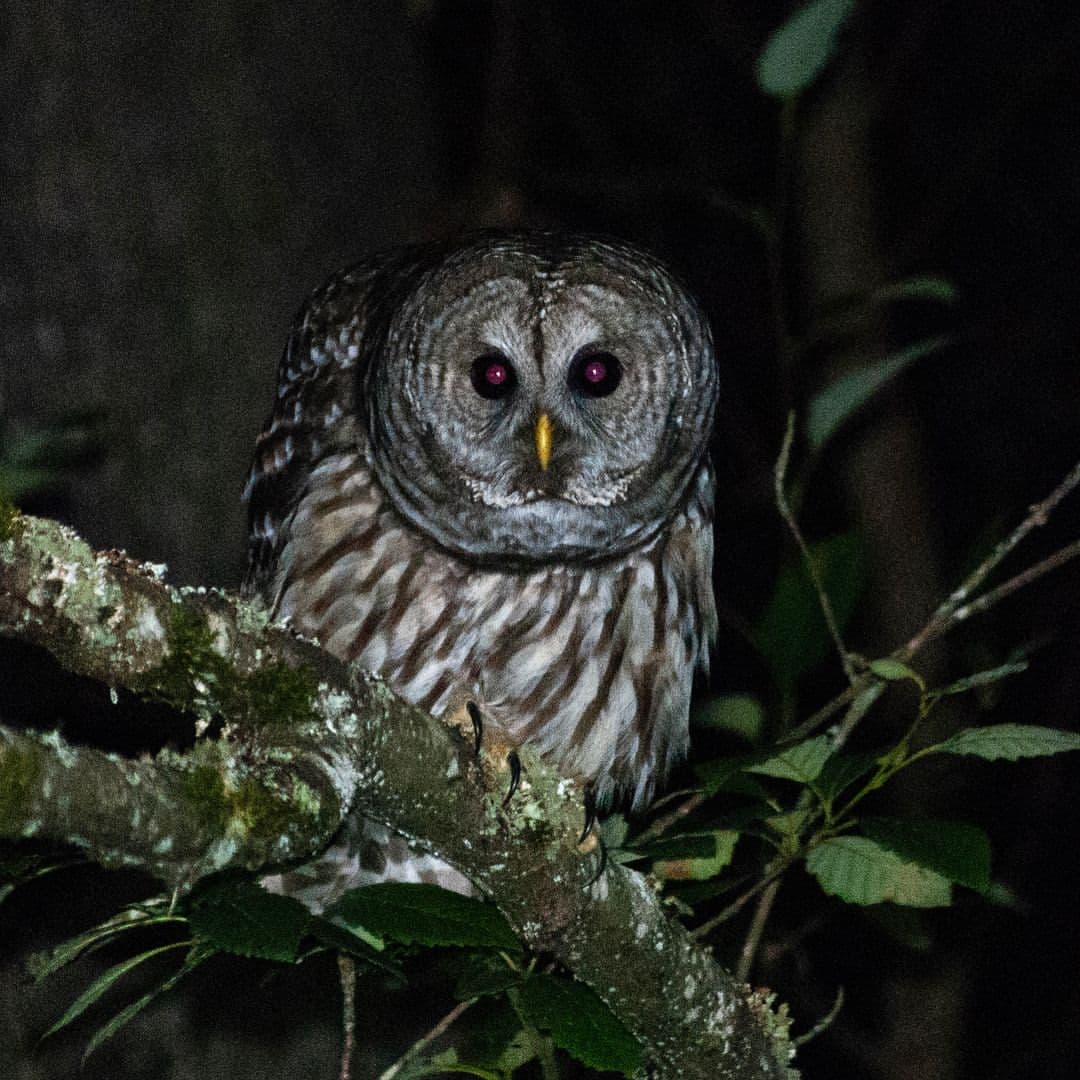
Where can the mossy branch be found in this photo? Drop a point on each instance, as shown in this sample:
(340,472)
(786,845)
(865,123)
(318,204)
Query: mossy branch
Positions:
(300,742)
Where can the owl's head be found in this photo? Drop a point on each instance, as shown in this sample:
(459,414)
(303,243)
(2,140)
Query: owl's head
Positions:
(535,397)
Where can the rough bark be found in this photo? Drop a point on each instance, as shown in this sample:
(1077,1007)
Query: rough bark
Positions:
(304,741)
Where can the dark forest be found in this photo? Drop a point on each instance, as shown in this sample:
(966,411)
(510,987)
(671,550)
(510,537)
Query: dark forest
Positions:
(177,178)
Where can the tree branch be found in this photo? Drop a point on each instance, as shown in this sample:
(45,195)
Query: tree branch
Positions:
(305,741)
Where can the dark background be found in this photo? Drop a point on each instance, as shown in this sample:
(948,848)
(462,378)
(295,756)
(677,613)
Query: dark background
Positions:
(175,178)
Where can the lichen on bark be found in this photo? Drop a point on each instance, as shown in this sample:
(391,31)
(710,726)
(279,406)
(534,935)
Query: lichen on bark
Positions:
(294,741)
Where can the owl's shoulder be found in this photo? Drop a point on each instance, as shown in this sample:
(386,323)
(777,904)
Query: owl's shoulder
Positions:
(315,407)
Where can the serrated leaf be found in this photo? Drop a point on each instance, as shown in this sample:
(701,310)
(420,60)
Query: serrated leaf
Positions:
(797,53)
(802,762)
(859,871)
(485,974)
(694,856)
(791,633)
(242,918)
(841,771)
(368,948)
(954,849)
(741,714)
(580,1023)
(425,915)
(840,400)
(1010,742)
(726,774)
(345,938)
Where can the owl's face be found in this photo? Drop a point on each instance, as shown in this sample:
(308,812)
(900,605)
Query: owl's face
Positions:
(538,399)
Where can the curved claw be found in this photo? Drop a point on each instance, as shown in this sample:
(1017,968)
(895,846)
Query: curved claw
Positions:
(515,776)
(600,868)
(590,813)
(477,724)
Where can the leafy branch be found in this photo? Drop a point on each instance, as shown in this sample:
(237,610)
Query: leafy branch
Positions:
(301,742)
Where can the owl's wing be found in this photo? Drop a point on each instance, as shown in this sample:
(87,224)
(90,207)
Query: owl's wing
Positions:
(318,408)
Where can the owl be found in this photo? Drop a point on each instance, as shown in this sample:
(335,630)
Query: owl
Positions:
(485,478)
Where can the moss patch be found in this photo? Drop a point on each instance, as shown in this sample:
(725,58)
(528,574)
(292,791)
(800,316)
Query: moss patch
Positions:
(9,518)
(194,676)
(20,770)
(205,791)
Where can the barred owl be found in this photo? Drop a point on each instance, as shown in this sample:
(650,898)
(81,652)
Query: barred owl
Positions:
(485,478)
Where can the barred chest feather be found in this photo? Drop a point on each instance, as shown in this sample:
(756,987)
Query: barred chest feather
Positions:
(590,664)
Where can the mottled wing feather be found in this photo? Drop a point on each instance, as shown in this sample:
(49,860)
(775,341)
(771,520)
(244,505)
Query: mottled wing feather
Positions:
(317,409)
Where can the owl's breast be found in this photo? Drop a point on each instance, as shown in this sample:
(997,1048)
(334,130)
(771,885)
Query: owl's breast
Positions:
(590,664)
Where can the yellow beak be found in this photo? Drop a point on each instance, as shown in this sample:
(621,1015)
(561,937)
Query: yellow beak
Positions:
(543,439)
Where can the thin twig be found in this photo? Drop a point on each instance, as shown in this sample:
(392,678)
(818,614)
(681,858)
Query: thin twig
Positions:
(757,928)
(779,476)
(824,1023)
(347,974)
(1025,577)
(662,824)
(945,617)
(736,905)
(866,689)
(426,1040)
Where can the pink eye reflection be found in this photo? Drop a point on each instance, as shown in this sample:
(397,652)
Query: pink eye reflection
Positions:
(495,374)
(595,371)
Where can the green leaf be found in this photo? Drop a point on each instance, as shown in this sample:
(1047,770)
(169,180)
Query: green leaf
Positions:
(425,915)
(839,401)
(919,287)
(981,678)
(42,965)
(796,53)
(693,856)
(857,870)
(242,918)
(368,948)
(104,981)
(955,850)
(1010,741)
(791,633)
(196,955)
(580,1023)
(741,714)
(790,823)
(841,771)
(726,774)
(802,762)
(483,974)
(895,671)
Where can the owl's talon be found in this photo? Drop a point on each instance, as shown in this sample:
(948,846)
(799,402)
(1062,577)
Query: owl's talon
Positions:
(590,813)
(477,724)
(515,776)
(600,868)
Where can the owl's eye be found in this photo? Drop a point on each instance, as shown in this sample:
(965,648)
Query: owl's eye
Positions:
(493,376)
(595,374)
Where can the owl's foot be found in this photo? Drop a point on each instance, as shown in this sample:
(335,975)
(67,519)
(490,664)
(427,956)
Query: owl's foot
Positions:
(476,718)
(601,865)
(514,762)
(477,725)
(590,812)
